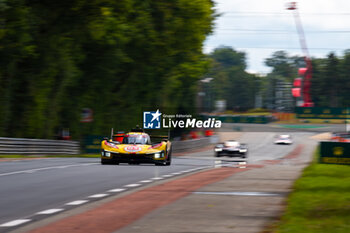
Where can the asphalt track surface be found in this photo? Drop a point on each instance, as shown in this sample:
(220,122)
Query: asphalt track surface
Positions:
(32,186)
(36,189)
(260,147)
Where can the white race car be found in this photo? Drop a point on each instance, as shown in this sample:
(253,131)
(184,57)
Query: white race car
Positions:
(285,139)
(231,148)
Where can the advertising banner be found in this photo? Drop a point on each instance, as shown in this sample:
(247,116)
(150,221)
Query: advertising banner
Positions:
(322,113)
(335,153)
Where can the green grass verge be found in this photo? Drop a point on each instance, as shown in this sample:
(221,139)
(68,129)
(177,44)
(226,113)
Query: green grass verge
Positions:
(51,156)
(320,201)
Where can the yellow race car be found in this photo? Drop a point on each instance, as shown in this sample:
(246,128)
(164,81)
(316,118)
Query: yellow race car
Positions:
(136,147)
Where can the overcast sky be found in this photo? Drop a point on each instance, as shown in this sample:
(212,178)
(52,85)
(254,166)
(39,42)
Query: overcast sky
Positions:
(260,27)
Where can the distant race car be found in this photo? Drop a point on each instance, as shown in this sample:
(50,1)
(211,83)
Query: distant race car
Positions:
(340,137)
(285,139)
(135,148)
(231,148)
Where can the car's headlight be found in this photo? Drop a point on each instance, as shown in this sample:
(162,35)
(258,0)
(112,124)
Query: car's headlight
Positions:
(107,154)
(218,149)
(159,155)
(243,150)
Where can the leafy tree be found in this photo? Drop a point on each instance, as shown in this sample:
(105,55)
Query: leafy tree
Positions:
(114,57)
(284,65)
(344,69)
(230,80)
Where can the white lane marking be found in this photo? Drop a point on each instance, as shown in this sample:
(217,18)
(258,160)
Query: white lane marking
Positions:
(15,223)
(46,168)
(146,181)
(157,178)
(49,211)
(132,185)
(99,195)
(78,202)
(116,190)
(191,170)
(176,173)
(167,175)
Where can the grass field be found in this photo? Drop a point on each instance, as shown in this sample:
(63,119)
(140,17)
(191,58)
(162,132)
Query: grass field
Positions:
(320,202)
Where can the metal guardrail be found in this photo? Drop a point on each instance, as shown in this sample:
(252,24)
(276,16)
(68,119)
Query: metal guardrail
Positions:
(24,146)
(181,146)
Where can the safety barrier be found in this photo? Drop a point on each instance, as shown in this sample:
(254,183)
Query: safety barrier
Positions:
(242,119)
(188,145)
(24,146)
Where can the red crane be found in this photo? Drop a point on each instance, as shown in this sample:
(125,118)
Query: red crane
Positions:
(306,73)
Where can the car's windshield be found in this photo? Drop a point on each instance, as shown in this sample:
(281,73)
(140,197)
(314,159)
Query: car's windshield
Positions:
(136,139)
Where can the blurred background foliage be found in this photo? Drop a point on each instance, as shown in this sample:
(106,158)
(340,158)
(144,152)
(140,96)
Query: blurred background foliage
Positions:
(122,57)
(243,91)
(113,57)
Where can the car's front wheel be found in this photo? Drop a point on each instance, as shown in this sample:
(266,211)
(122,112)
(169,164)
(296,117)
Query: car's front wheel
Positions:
(105,162)
(108,162)
(168,163)
(161,163)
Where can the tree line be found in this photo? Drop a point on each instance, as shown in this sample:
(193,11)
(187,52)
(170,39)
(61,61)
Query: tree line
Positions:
(330,84)
(230,80)
(120,58)
(115,57)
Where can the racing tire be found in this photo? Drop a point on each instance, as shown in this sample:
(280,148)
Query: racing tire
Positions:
(164,163)
(217,155)
(168,162)
(243,156)
(106,162)
(160,164)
